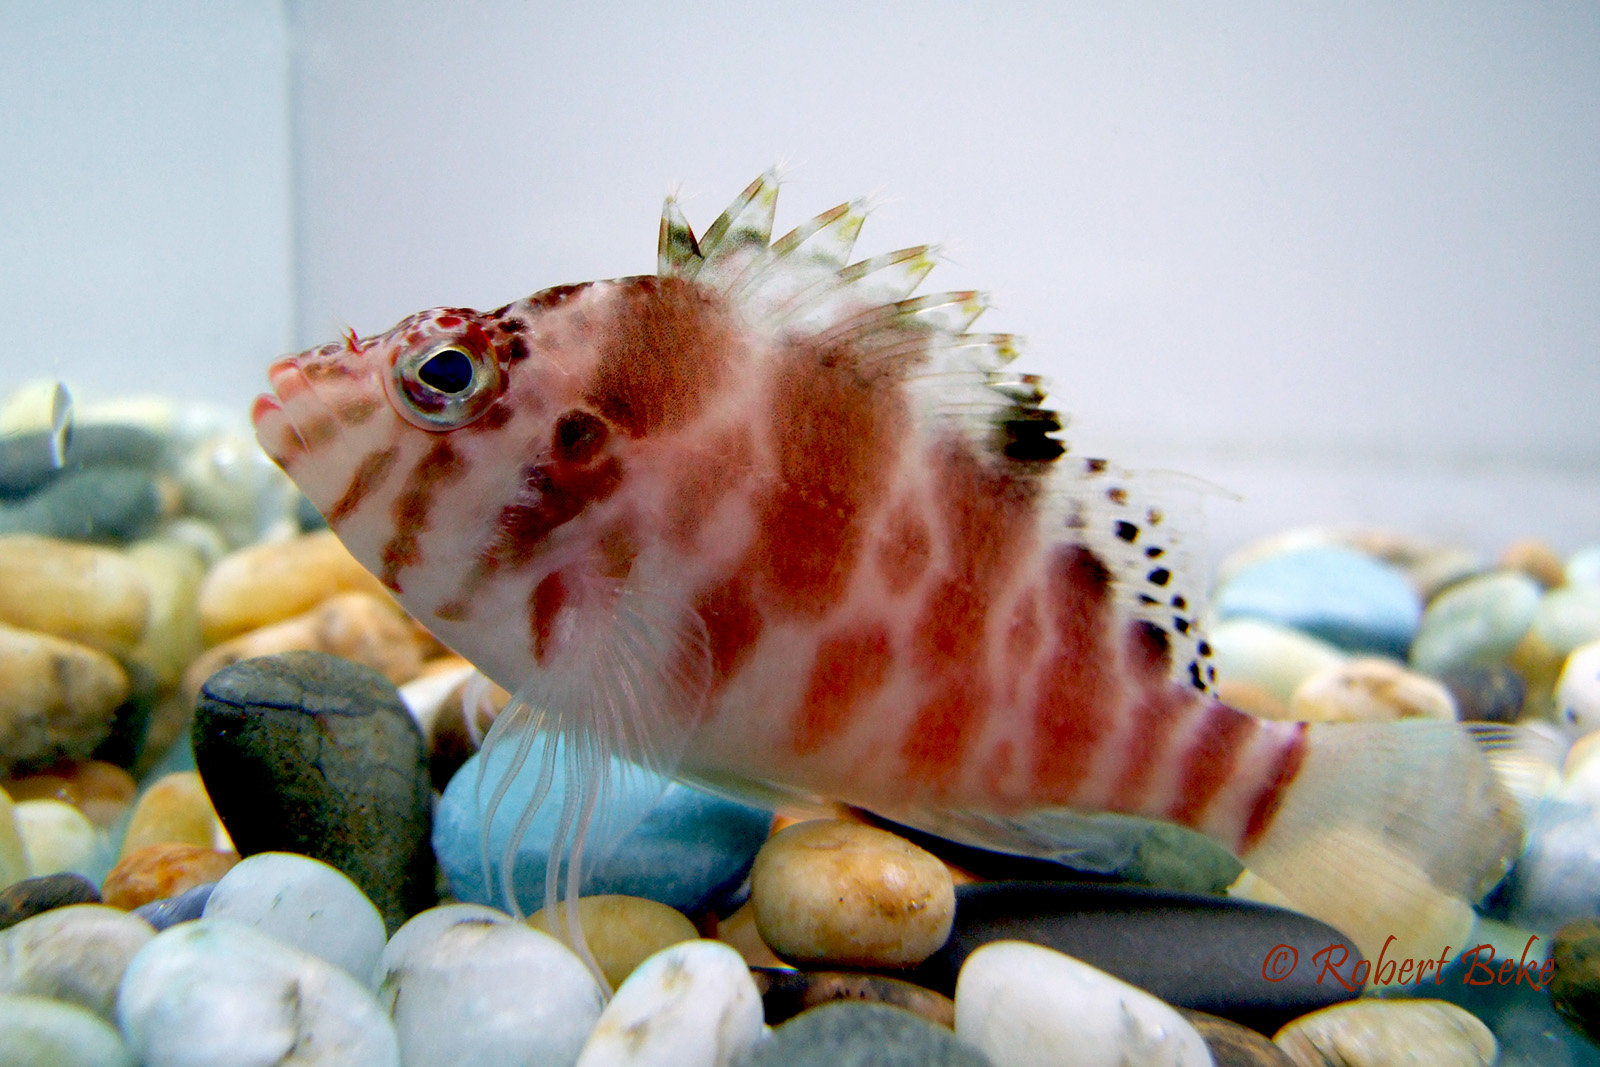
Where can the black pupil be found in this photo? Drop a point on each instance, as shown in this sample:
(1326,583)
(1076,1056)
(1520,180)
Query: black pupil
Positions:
(448,370)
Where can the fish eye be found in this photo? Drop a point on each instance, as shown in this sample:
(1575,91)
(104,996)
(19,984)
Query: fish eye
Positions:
(443,386)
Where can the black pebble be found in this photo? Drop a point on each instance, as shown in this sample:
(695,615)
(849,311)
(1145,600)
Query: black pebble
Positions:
(95,504)
(1207,953)
(26,463)
(185,907)
(309,753)
(848,1034)
(1485,694)
(35,896)
(786,993)
(1232,1045)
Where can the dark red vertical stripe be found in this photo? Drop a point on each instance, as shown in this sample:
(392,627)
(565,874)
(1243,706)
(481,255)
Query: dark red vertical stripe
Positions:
(1210,760)
(368,477)
(1285,767)
(1078,693)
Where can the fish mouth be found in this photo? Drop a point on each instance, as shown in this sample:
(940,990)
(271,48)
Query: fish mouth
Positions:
(275,430)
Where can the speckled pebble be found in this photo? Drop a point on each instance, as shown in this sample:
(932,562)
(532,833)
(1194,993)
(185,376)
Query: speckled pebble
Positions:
(43,1032)
(1478,622)
(83,593)
(1577,693)
(1566,620)
(60,838)
(1027,1006)
(57,698)
(846,1034)
(1373,1033)
(1369,689)
(77,954)
(219,994)
(270,582)
(690,1005)
(1233,1045)
(835,892)
(304,903)
(1273,657)
(157,872)
(35,896)
(187,906)
(622,931)
(786,992)
(172,572)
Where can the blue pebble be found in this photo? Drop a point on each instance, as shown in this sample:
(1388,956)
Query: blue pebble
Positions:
(1341,596)
(689,850)
(185,907)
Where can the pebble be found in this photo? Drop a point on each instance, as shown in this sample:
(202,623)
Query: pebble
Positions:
(425,926)
(59,838)
(1371,1033)
(303,903)
(1233,1045)
(308,753)
(691,1005)
(1577,692)
(1272,657)
(13,850)
(76,954)
(270,582)
(1557,879)
(172,572)
(187,906)
(159,871)
(846,1034)
(173,810)
(1207,953)
(42,1032)
(101,790)
(1536,559)
(107,504)
(1343,597)
(1485,694)
(83,593)
(1477,622)
(227,480)
(26,462)
(1575,982)
(1583,566)
(1024,1005)
(57,698)
(219,994)
(35,896)
(836,892)
(490,994)
(689,849)
(786,992)
(1370,689)
(622,932)
(1566,620)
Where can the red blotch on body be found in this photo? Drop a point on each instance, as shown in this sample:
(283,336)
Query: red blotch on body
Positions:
(713,474)
(552,494)
(545,603)
(440,466)
(904,548)
(849,668)
(1210,761)
(944,729)
(1155,713)
(733,626)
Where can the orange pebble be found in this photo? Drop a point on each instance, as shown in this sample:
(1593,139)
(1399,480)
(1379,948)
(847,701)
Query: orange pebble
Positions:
(101,790)
(156,872)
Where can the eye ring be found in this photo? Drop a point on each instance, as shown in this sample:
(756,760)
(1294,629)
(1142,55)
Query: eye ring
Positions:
(444,386)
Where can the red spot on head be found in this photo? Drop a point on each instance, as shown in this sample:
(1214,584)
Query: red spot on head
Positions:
(904,548)
(552,494)
(849,668)
(438,467)
(546,602)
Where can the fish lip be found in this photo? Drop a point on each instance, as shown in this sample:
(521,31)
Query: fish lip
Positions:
(291,389)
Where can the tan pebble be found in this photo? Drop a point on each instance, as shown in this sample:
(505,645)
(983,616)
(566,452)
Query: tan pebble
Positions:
(1232,1045)
(1370,1033)
(787,992)
(156,872)
(739,930)
(830,891)
(58,837)
(13,853)
(1252,699)
(1370,689)
(172,573)
(1536,559)
(267,583)
(356,626)
(173,810)
(623,931)
(170,718)
(83,593)
(101,790)
(56,698)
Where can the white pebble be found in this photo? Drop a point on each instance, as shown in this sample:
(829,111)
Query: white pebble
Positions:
(76,954)
(489,994)
(60,838)
(1024,1005)
(427,925)
(40,1032)
(1577,697)
(213,993)
(693,1004)
(304,903)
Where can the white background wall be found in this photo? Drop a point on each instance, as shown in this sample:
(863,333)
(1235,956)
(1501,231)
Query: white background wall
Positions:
(1342,259)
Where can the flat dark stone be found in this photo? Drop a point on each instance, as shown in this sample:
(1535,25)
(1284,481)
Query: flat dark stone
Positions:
(1233,1045)
(26,462)
(1206,953)
(35,896)
(94,504)
(851,1034)
(185,907)
(786,993)
(309,753)
(1575,983)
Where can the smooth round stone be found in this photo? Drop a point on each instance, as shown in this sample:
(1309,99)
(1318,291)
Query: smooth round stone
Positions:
(13,851)
(270,582)
(158,872)
(304,903)
(1485,694)
(786,993)
(1478,622)
(112,504)
(101,790)
(1567,619)
(490,994)
(1577,692)
(427,925)
(1275,658)
(837,892)
(845,1034)
(689,849)
(187,906)
(1373,1033)
(77,954)
(1369,689)
(690,1005)
(35,896)
(313,754)
(1557,879)
(57,698)
(226,479)
(1250,698)
(59,838)
(621,932)
(1575,981)
(1343,597)
(219,994)
(42,1032)
(94,596)
(172,810)
(26,462)
(1194,951)
(1233,1045)
(1023,1005)
(1583,566)
(172,573)
(1535,558)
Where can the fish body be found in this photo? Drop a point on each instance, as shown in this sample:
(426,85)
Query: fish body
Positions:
(768,520)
